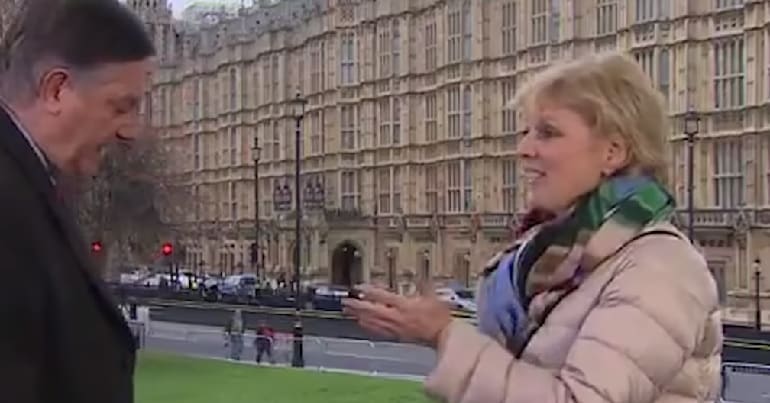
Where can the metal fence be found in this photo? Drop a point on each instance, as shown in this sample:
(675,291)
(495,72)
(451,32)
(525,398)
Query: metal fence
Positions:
(382,358)
(276,301)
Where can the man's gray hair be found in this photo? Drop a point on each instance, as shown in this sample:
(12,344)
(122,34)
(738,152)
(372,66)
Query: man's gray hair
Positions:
(78,35)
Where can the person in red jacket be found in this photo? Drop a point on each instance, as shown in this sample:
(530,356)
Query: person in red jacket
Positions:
(264,342)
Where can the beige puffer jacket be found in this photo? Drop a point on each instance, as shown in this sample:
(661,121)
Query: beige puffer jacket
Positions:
(644,327)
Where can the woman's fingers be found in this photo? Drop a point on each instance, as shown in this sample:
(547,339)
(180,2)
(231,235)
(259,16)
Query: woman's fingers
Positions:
(380,326)
(381,296)
(376,318)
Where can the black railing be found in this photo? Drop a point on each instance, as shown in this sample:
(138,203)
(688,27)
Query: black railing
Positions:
(261,297)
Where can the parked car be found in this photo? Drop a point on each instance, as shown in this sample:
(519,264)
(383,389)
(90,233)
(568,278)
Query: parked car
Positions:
(462,299)
(209,287)
(132,277)
(328,297)
(239,288)
(154,280)
(184,280)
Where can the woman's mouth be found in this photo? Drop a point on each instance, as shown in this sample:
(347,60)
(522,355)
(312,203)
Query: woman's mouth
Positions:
(532,175)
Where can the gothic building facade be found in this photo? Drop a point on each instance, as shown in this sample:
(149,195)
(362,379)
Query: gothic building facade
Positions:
(406,146)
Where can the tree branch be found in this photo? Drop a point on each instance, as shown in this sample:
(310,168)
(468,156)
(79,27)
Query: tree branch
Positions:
(123,205)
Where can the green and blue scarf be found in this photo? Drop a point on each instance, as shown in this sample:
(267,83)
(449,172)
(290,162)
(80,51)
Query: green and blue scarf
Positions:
(532,276)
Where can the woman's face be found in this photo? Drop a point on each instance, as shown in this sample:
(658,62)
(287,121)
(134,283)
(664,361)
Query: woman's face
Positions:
(562,158)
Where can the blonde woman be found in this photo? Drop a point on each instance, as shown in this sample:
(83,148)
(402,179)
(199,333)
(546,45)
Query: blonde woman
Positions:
(601,299)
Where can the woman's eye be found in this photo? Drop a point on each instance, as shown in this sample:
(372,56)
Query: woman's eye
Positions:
(547,132)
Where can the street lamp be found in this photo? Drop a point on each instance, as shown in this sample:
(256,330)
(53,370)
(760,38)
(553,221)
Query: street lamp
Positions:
(230,251)
(757,299)
(255,151)
(467,271)
(691,129)
(297,110)
(391,269)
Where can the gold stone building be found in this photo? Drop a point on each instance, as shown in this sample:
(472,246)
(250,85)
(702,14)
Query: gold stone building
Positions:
(406,132)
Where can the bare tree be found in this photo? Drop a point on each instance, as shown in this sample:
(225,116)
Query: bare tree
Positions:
(126,205)
(10,16)
(9,10)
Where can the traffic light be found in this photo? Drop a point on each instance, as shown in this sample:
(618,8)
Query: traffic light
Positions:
(96,246)
(167,249)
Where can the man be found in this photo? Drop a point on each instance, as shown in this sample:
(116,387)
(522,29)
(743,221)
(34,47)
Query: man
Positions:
(72,76)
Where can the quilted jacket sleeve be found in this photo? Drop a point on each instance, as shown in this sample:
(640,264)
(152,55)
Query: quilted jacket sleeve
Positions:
(648,321)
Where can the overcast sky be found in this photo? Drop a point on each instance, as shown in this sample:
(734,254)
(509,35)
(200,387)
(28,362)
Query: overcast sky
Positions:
(179,5)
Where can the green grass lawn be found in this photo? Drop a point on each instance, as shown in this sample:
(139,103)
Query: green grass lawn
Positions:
(164,378)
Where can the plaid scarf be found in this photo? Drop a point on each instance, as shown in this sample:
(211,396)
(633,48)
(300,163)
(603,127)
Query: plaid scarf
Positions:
(553,259)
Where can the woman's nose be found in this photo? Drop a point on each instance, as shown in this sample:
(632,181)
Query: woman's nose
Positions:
(526,146)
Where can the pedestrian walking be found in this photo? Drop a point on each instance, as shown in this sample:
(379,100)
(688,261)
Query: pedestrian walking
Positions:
(264,342)
(72,77)
(234,331)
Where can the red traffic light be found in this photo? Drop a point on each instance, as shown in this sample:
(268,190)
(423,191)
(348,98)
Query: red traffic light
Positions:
(167,249)
(96,246)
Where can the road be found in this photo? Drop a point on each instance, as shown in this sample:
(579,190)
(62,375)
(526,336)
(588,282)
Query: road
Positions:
(332,353)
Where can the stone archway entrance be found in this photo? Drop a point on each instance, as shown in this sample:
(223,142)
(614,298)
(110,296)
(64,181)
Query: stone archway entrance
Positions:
(347,268)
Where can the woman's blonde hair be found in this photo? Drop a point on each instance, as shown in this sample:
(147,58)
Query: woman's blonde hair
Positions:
(615,97)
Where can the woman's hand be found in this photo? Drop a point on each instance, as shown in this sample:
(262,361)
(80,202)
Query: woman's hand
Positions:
(421,318)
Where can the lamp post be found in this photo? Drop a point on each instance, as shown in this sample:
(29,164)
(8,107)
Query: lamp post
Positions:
(467,271)
(255,151)
(691,129)
(231,258)
(757,299)
(297,107)
(391,269)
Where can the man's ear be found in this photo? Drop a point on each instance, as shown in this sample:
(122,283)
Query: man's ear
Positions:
(50,89)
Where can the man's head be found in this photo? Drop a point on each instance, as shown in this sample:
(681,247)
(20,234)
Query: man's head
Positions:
(75,73)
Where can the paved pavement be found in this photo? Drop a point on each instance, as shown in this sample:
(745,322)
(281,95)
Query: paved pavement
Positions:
(331,353)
